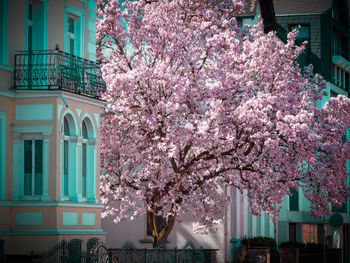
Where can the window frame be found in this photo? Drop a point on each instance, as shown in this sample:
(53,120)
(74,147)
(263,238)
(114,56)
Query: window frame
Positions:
(34,153)
(78,36)
(4,32)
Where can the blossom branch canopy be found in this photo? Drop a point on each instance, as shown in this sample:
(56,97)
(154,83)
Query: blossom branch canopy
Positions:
(195,102)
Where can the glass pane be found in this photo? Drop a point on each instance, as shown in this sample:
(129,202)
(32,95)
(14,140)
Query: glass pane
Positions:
(30,12)
(83,175)
(30,37)
(71,46)
(293,200)
(65,168)
(27,167)
(303,32)
(38,167)
(71,25)
(84,130)
(66,126)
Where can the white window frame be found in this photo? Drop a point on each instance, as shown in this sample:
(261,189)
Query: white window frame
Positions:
(78,15)
(29,132)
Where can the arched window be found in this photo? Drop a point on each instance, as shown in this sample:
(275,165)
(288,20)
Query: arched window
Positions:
(65,155)
(68,158)
(88,160)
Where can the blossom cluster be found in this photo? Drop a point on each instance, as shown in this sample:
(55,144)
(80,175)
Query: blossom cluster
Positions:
(196,102)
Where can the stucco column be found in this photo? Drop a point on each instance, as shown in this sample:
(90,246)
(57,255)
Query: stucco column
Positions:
(46,196)
(15,171)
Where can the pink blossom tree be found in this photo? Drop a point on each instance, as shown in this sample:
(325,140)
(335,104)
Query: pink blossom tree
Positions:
(195,103)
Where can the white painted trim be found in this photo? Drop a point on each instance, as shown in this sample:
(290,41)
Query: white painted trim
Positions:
(68,111)
(97,118)
(336,89)
(79,111)
(45,129)
(88,116)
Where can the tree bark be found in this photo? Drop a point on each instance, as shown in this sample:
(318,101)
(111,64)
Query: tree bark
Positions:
(159,235)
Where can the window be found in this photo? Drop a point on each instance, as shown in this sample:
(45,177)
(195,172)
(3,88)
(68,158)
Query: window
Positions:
(65,155)
(292,232)
(88,165)
(74,31)
(293,200)
(71,35)
(30,27)
(33,167)
(340,44)
(309,233)
(84,160)
(3,31)
(303,35)
(342,209)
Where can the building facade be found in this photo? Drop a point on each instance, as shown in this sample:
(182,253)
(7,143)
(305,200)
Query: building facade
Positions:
(50,87)
(236,220)
(325,25)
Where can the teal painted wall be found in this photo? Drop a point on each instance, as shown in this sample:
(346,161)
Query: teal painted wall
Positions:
(70,218)
(29,218)
(88,219)
(32,112)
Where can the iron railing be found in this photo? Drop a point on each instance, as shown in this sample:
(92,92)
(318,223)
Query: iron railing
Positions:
(55,69)
(188,254)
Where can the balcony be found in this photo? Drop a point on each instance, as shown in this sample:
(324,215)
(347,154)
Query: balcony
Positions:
(57,70)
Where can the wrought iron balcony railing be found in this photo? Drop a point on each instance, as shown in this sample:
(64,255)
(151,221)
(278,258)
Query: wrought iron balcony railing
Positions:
(54,69)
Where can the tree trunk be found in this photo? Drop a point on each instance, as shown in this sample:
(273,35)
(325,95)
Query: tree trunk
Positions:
(159,235)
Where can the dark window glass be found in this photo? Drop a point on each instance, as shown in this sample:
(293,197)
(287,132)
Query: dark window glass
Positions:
(83,175)
(71,25)
(340,44)
(71,46)
(33,176)
(66,127)
(84,130)
(292,232)
(65,168)
(303,35)
(293,200)
(28,167)
(30,12)
(38,167)
(342,209)
(30,37)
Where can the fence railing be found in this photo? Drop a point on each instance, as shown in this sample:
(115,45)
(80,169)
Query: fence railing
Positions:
(55,69)
(65,252)
(188,254)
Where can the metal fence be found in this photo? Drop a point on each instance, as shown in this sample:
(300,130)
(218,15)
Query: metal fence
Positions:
(55,69)
(161,254)
(71,252)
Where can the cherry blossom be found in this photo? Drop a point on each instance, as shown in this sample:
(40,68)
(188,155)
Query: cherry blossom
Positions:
(196,103)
